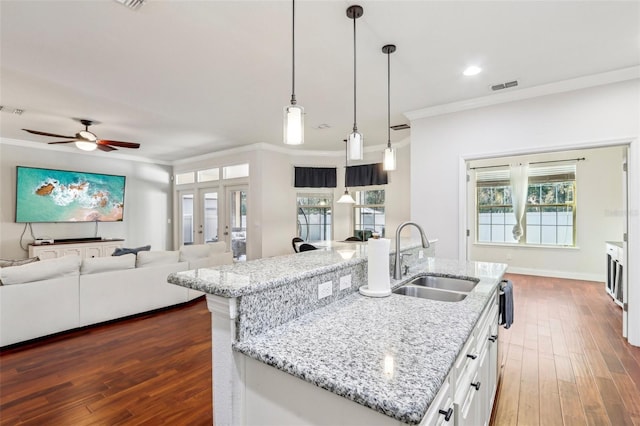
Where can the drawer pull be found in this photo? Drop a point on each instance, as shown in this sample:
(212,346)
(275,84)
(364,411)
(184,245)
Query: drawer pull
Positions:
(472,356)
(447,414)
(476,385)
(493,338)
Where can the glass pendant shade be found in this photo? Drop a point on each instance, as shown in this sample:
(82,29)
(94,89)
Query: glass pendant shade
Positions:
(389,159)
(354,146)
(86,146)
(293,125)
(346,198)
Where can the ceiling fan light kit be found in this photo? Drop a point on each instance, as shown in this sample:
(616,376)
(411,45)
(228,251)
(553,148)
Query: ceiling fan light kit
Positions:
(293,123)
(86,140)
(355,140)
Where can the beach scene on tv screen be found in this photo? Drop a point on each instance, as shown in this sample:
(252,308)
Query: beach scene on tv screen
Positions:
(45,195)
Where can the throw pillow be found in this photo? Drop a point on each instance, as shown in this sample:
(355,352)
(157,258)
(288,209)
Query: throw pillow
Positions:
(4,263)
(150,258)
(193,252)
(94,265)
(42,270)
(123,250)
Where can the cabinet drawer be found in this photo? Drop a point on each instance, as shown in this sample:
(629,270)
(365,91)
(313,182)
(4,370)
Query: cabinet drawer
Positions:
(441,411)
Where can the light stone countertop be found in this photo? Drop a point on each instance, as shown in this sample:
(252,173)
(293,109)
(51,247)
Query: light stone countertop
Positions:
(242,278)
(390,354)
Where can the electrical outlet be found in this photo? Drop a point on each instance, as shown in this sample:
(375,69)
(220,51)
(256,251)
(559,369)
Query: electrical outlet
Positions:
(325,289)
(345,282)
(421,254)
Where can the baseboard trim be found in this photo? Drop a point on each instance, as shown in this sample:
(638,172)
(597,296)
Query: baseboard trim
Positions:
(557,274)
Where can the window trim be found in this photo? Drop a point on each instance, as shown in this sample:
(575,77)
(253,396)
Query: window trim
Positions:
(316,194)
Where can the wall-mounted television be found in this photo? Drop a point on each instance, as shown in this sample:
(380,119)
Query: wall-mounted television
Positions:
(46,195)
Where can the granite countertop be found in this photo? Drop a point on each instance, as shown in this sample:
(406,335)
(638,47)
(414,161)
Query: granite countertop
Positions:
(243,278)
(391,354)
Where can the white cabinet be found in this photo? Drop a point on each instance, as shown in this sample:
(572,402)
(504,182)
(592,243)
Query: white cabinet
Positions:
(99,248)
(441,410)
(477,371)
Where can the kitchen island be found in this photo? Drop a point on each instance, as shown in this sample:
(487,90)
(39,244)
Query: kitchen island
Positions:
(284,355)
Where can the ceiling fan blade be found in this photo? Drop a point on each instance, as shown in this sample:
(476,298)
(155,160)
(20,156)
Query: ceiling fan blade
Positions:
(118,143)
(105,148)
(53,143)
(53,135)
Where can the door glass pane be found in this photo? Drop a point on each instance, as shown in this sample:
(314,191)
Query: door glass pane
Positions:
(184,178)
(210,204)
(238,222)
(187,218)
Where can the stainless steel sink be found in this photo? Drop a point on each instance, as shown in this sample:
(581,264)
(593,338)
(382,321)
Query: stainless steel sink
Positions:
(430,293)
(446,283)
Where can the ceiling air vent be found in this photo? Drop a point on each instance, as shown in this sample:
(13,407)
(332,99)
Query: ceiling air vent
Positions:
(400,127)
(132,4)
(506,85)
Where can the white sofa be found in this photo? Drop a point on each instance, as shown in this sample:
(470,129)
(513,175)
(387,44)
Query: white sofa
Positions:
(61,294)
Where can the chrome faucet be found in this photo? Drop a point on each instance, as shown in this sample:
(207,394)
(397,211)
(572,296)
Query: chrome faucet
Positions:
(397,268)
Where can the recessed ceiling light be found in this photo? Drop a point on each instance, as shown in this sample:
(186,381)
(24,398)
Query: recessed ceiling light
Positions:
(472,70)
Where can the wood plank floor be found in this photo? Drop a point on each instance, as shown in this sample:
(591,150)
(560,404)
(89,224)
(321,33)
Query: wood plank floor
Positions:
(565,363)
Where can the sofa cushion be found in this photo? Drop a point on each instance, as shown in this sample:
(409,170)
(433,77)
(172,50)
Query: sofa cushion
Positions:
(94,265)
(149,258)
(120,251)
(200,251)
(5,263)
(42,270)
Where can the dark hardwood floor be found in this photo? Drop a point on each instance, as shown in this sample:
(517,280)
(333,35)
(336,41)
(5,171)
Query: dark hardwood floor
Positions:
(566,363)
(152,369)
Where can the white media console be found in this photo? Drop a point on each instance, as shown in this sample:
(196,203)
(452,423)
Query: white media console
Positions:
(82,248)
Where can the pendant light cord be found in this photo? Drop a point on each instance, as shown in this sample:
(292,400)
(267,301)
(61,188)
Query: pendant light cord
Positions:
(355,126)
(389,99)
(293,54)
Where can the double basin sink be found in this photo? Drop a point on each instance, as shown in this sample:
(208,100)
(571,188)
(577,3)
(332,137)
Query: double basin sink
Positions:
(444,289)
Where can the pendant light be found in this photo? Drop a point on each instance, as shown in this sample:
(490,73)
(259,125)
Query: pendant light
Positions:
(389,155)
(355,140)
(346,197)
(293,124)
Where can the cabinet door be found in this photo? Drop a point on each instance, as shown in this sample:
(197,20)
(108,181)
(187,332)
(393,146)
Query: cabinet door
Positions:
(108,249)
(95,251)
(67,251)
(469,412)
(45,253)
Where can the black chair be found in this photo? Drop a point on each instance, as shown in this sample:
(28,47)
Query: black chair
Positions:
(353,239)
(307,247)
(294,241)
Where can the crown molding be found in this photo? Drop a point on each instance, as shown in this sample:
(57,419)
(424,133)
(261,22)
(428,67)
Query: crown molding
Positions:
(624,74)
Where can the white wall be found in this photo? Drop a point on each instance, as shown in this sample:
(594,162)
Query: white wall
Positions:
(147,206)
(599,218)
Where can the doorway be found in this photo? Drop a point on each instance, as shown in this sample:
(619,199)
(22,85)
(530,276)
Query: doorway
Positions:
(199,219)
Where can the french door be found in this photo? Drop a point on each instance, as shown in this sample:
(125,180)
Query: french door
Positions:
(199,219)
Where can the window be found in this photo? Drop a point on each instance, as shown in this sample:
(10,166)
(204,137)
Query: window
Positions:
(208,175)
(237,171)
(368,213)
(549,213)
(185,178)
(314,216)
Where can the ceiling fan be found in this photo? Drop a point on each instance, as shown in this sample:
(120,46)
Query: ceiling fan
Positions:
(86,140)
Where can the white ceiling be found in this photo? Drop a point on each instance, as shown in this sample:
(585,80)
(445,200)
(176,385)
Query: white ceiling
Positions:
(186,77)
